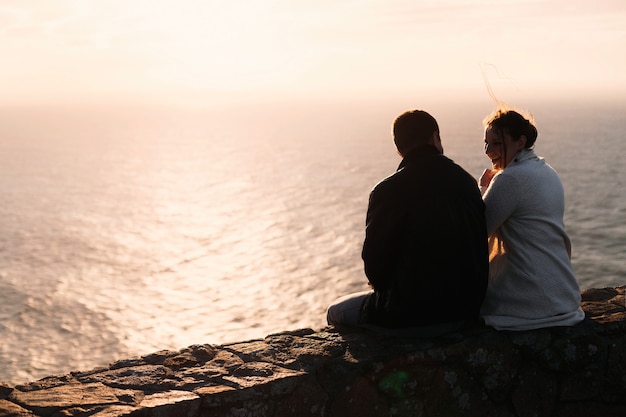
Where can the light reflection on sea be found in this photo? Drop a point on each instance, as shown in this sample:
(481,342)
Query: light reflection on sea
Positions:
(126,233)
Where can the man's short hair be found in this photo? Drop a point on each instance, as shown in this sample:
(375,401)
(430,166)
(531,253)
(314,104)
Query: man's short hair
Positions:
(412,129)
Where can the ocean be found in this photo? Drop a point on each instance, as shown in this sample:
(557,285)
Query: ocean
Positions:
(126,230)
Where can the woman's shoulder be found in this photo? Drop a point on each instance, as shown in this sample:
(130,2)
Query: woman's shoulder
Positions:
(528,164)
(533,169)
(506,178)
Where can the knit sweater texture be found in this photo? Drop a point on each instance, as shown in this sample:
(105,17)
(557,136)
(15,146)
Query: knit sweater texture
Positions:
(531,279)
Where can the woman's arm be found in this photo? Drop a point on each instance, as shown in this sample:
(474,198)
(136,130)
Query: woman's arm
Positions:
(485,179)
(501,199)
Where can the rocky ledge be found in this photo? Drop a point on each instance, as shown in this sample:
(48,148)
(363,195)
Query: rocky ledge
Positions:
(575,371)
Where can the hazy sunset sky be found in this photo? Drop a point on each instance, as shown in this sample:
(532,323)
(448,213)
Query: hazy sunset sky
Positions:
(93,49)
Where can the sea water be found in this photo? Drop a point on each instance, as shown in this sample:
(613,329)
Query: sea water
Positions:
(124,231)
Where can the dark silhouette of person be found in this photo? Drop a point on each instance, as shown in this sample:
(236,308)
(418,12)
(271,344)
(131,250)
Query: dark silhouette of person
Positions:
(425,250)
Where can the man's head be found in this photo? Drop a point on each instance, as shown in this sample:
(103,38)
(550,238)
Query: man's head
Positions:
(415,128)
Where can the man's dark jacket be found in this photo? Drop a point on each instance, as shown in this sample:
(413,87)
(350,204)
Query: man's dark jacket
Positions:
(425,249)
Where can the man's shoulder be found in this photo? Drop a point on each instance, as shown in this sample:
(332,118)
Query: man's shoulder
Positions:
(390,181)
(447,165)
(444,163)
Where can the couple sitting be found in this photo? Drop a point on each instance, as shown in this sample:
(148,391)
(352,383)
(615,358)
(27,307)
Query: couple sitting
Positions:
(438,255)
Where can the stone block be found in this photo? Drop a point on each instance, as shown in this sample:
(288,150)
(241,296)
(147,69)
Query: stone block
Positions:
(477,371)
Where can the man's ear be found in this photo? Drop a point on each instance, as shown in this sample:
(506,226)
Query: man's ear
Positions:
(523,141)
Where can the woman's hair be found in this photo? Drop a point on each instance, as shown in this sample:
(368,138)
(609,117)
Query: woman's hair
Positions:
(507,121)
(413,128)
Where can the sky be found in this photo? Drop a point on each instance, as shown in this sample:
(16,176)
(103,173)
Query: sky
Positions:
(59,50)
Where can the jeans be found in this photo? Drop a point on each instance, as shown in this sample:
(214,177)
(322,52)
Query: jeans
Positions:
(345,311)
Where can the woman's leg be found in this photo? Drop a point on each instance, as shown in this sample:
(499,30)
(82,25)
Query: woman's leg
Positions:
(347,309)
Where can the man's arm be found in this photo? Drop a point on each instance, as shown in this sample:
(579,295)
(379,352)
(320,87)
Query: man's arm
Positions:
(384,214)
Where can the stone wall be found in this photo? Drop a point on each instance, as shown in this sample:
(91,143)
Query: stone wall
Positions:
(577,371)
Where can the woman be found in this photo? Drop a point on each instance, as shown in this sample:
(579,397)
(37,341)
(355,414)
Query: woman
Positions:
(531,280)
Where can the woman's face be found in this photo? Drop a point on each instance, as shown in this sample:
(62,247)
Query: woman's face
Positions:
(501,149)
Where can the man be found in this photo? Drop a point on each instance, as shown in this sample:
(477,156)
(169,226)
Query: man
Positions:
(425,249)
